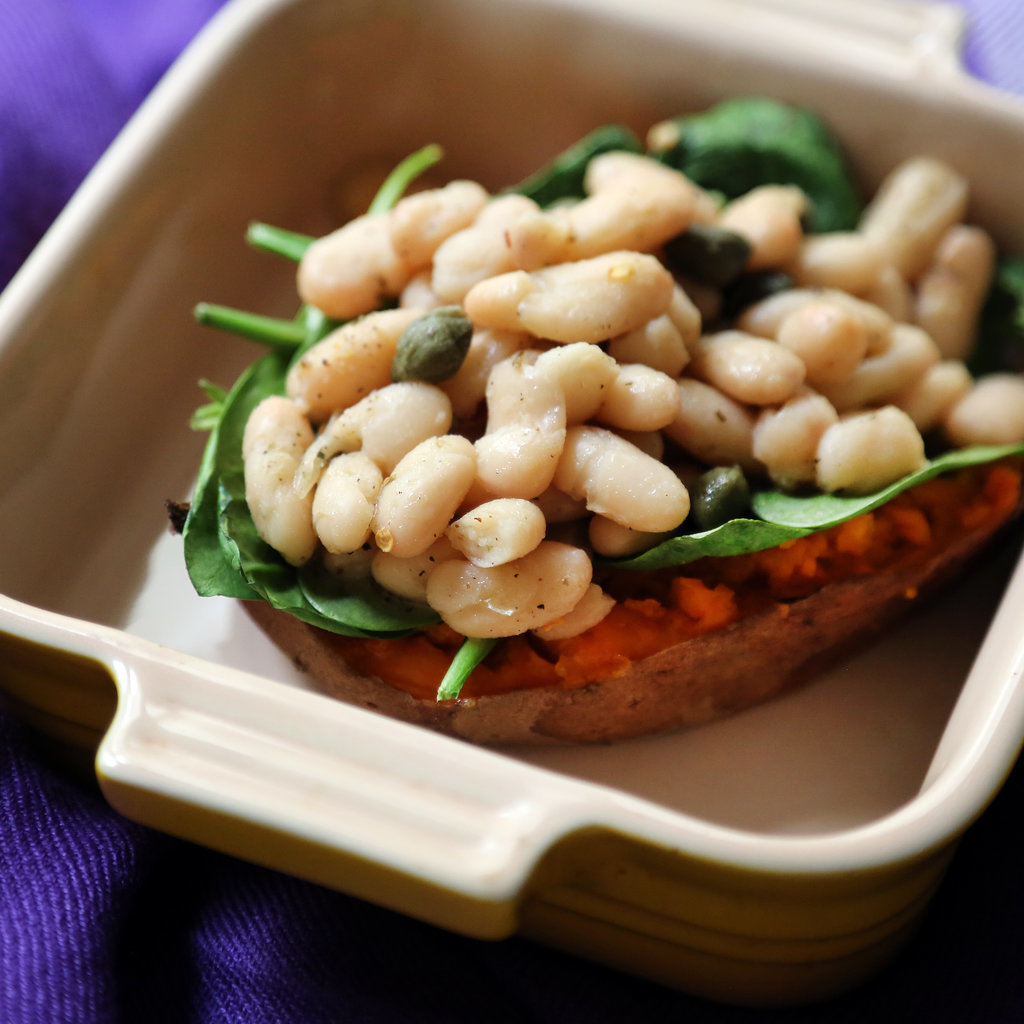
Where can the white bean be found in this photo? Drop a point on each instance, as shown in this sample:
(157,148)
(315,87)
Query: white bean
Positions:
(618,168)
(352,270)
(348,364)
(480,250)
(476,495)
(343,502)
(613,540)
(891,293)
(992,412)
(688,314)
(912,209)
(828,337)
(589,300)
(765,317)
(635,203)
(865,452)
(374,257)
(487,348)
(619,481)
(583,372)
(786,439)
(711,426)
(768,217)
(650,442)
(407,577)
(706,301)
(419,498)
(498,531)
(517,456)
(847,260)
(639,398)
(275,437)
(420,222)
(510,599)
(663,136)
(879,377)
(952,290)
(747,368)
(557,507)
(418,294)
(657,344)
(403,416)
(385,425)
(931,397)
(591,608)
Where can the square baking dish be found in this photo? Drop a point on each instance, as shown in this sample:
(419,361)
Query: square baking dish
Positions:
(776,857)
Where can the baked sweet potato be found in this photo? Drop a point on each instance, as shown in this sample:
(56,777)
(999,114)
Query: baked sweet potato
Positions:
(742,663)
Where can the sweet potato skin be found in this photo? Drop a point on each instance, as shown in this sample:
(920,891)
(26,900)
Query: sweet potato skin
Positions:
(701,679)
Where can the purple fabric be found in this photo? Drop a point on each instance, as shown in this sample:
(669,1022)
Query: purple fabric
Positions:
(102,920)
(992,47)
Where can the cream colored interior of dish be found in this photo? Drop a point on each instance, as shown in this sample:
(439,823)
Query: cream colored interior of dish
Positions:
(99,382)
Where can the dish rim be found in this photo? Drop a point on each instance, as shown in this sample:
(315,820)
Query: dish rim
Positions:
(948,802)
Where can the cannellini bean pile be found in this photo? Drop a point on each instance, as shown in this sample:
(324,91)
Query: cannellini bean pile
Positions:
(595,376)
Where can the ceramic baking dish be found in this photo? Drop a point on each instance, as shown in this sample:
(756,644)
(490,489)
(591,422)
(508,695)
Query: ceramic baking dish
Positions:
(778,856)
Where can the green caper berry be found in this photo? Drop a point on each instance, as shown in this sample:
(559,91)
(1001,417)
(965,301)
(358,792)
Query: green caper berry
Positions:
(719,495)
(708,254)
(433,346)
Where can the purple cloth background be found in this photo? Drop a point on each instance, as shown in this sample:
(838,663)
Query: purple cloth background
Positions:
(102,920)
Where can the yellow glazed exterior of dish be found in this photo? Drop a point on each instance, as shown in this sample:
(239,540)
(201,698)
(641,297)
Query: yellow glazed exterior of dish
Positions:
(199,733)
(720,930)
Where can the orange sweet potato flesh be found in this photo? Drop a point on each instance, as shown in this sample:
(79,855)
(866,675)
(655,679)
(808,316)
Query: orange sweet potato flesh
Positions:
(684,646)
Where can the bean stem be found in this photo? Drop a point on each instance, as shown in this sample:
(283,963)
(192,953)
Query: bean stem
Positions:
(289,244)
(469,655)
(267,330)
(403,175)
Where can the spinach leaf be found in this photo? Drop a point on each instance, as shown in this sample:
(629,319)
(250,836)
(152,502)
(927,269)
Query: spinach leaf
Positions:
(211,573)
(206,417)
(225,555)
(819,511)
(362,604)
(562,178)
(1000,343)
(736,537)
(748,141)
(783,516)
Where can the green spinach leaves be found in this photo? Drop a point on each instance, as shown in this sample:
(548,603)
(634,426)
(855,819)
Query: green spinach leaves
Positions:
(748,141)
(225,555)
(782,516)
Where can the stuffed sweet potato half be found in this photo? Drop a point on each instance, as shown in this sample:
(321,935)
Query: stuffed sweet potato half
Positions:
(633,445)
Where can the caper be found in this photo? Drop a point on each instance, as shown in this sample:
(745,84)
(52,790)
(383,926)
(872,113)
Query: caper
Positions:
(708,254)
(750,288)
(433,346)
(720,494)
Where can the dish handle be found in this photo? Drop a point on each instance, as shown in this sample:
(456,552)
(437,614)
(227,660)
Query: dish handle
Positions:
(922,39)
(379,809)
